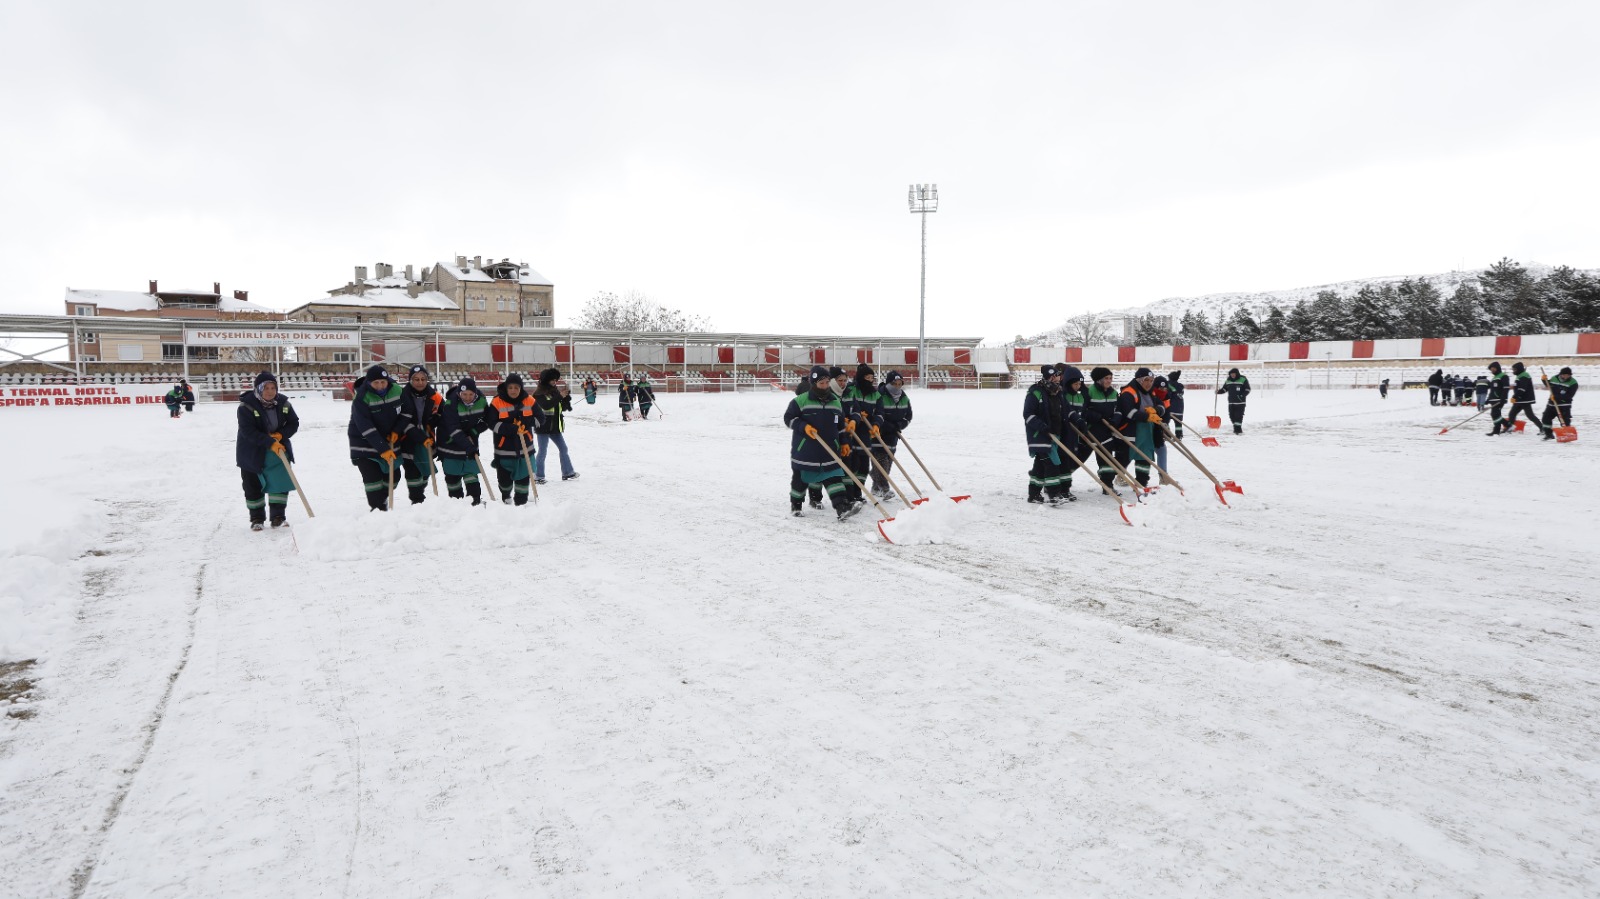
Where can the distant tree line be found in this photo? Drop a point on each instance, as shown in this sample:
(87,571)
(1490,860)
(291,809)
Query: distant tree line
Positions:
(1505,300)
(634,311)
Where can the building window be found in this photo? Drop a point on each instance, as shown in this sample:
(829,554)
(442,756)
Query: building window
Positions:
(342,320)
(83,310)
(88,357)
(339,356)
(173,352)
(410,321)
(443,321)
(88,336)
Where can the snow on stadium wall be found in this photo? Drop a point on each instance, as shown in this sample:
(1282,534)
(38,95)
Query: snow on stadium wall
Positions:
(1314,351)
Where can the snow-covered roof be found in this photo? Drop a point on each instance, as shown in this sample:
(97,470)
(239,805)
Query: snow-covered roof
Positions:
(389,296)
(135,301)
(470,272)
(390,281)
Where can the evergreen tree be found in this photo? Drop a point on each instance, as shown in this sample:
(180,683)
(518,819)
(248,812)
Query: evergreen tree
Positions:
(1275,327)
(1241,327)
(1328,317)
(1369,315)
(1569,300)
(1417,313)
(1464,314)
(1152,330)
(1301,325)
(1195,329)
(1511,299)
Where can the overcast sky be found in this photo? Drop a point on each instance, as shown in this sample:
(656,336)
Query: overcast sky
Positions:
(749,162)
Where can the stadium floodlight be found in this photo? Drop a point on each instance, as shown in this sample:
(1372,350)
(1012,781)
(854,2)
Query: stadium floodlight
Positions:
(923,199)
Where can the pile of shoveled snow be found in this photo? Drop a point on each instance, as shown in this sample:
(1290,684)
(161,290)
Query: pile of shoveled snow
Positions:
(939,520)
(438,524)
(39,581)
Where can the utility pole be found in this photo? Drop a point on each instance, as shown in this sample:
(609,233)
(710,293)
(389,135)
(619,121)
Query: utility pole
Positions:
(923,199)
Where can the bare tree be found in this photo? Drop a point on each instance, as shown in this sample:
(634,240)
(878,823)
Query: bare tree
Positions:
(1085,330)
(633,311)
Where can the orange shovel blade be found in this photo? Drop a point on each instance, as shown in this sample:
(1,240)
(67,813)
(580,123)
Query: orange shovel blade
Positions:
(882,533)
(1209,441)
(1213,421)
(1566,435)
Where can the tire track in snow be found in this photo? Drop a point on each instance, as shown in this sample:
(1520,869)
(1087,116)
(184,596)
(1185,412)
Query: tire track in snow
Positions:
(83,875)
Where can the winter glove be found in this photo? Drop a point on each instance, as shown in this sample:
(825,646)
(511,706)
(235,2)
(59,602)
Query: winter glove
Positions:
(812,433)
(387,456)
(1075,417)
(394,437)
(1153,416)
(844,451)
(850,426)
(427,442)
(876,432)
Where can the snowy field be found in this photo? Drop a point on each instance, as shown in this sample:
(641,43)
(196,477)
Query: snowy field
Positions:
(1375,676)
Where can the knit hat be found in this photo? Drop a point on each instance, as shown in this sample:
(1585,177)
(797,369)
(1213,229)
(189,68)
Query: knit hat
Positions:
(549,376)
(419,367)
(265,377)
(1176,376)
(864,371)
(1160,383)
(1233,372)
(1098,372)
(1141,373)
(1048,371)
(818,373)
(468,384)
(835,372)
(513,378)
(894,377)
(1566,370)
(376,373)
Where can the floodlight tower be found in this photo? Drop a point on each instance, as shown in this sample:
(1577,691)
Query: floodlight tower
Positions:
(923,198)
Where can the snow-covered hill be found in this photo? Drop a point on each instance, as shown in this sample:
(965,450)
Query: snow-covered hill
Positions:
(1259,303)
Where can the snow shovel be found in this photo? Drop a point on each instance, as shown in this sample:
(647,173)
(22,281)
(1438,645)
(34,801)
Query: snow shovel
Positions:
(1214,420)
(1222,486)
(1567,432)
(484,477)
(427,456)
(284,458)
(1139,490)
(533,482)
(1162,472)
(1204,441)
(852,476)
(955,499)
(1122,507)
(393,463)
(878,466)
(1462,422)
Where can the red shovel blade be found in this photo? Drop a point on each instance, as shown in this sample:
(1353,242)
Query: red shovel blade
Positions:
(955,499)
(1122,510)
(1213,421)
(1209,441)
(1519,425)
(1231,487)
(882,533)
(1220,497)
(1566,435)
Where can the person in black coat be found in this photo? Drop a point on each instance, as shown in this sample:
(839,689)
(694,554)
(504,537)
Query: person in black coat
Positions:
(1435,384)
(1499,392)
(462,417)
(1044,415)
(1175,401)
(1383,389)
(266,424)
(815,420)
(188,395)
(1522,396)
(1237,387)
(376,421)
(1558,410)
(419,417)
(555,401)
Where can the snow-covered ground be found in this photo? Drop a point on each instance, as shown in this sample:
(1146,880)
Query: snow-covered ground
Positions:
(1374,676)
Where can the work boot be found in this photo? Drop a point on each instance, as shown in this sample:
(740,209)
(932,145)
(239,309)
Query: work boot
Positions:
(794,509)
(1238,429)
(1035,494)
(1549,433)
(256,526)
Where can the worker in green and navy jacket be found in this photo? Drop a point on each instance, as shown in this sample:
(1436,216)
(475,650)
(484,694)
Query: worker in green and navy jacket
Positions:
(1237,387)
(1100,410)
(860,404)
(376,422)
(1044,416)
(894,411)
(1499,393)
(174,400)
(1558,410)
(816,423)
(1522,396)
(266,424)
(462,417)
